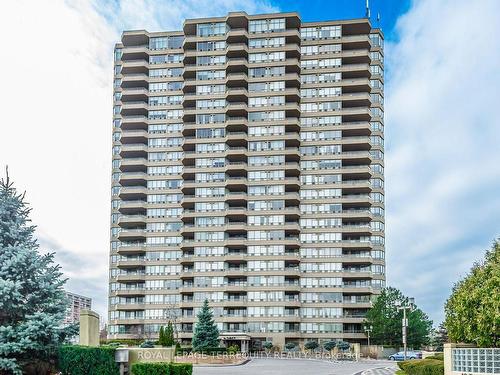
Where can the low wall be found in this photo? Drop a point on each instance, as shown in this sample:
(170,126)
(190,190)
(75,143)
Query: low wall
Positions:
(462,359)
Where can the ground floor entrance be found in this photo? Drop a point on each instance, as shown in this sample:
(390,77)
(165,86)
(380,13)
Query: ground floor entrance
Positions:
(241,340)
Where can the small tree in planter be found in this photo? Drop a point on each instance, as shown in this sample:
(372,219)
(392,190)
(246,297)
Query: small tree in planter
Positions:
(161,337)
(290,346)
(169,335)
(343,345)
(311,345)
(329,345)
(268,345)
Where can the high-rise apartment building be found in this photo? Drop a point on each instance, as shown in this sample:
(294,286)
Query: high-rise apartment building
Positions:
(76,304)
(248,170)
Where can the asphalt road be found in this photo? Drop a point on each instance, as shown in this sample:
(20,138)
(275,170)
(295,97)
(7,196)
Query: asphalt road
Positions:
(272,366)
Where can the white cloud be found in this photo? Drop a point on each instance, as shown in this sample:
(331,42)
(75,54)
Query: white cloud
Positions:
(442,174)
(55,131)
(442,131)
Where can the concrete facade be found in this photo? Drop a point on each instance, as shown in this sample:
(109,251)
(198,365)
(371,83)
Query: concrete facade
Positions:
(248,170)
(89,328)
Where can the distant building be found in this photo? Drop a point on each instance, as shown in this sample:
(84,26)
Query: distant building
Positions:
(77,303)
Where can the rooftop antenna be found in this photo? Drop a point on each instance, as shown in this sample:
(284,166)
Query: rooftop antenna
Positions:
(378,20)
(367,9)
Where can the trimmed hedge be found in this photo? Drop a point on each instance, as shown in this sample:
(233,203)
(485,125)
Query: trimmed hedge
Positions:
(438,356)
(87,360)
(181,369)
(129,342)
(183,350)
(162,368)
(422,367)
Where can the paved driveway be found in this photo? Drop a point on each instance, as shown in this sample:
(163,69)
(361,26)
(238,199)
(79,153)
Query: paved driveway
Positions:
(272,366)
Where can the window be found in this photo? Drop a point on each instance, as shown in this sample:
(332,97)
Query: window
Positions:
(211,29)
(266,101)
(266,86)
(266,72)
(267,42)
(210,60)
(203,75)
(264,57)
(266,116)
(169,42)
(211,46)
(322,32)
(266,26)
(166,59)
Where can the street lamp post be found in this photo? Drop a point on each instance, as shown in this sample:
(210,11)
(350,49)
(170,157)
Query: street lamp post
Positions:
(401,305)
(368,329)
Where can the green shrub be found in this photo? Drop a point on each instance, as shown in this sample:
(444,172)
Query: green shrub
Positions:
(268,345)
(87,360)
(233,349)
(147,344)
(422,367)
(158,368)
(311,345)
(290,345)
(183,350)
(181,369)
(438,356)
(330,345)
(129,342)
(162,368)
(343,345)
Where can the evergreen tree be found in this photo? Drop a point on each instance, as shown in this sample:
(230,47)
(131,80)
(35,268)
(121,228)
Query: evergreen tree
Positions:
(169,334)
(161,337)
(206,334)
(32,300)
(438,338)
(386,320)
(472,313)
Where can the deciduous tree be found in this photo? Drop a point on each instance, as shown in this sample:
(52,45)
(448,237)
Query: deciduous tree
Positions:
(472,312)
(386,320)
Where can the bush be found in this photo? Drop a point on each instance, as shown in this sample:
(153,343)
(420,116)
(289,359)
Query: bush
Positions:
(438,356)
(329,345)
(311,345)
(422,367)
(143,368)
(290,345)
(162,368)
(147,344)
(343,345)
(182,350)
(268,345)
(233,349)
(87,360)
(181,369)
(129,342)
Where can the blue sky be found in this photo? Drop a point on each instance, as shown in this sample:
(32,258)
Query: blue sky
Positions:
(441,141)
(314,10)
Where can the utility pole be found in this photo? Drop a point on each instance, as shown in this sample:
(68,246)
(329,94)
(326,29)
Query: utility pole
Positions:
(403,306)
(368,329)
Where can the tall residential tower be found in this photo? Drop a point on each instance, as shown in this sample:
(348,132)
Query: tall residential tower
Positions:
(248,170)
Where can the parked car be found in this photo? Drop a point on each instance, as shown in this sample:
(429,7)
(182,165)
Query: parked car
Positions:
(400,356)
